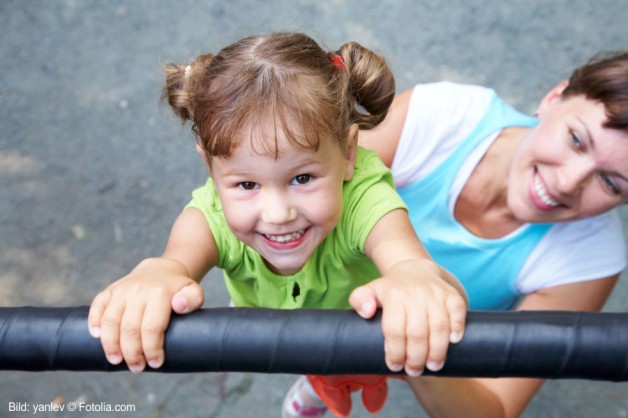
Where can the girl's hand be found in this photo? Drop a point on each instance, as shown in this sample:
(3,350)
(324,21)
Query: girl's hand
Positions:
(421,314)
(131,315)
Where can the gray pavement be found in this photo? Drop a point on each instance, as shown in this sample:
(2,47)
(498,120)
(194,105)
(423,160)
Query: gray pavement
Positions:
(93,169)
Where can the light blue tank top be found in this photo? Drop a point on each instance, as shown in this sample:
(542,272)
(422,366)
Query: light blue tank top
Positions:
(487,268)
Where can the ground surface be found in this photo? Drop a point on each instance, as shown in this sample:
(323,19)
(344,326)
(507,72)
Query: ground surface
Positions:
(93,170)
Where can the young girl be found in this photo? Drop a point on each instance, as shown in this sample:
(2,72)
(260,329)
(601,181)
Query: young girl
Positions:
(295,213)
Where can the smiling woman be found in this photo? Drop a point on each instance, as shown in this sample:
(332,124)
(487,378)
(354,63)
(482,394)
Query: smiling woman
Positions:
(578,162)
(519,208)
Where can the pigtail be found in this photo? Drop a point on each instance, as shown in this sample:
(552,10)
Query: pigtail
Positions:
(181,83)
(371,84)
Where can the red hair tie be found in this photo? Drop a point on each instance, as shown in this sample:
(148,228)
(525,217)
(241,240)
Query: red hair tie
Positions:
(337,61)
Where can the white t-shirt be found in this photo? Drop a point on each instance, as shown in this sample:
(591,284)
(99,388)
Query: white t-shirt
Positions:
(440,116)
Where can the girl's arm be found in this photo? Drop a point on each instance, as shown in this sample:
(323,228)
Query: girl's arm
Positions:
(423,305)
(506,397)
(131,315)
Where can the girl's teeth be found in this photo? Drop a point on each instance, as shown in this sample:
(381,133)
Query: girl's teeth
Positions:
(542,193)
(287,237)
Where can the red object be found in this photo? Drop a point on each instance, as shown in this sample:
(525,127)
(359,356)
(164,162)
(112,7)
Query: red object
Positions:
(338,62)
(336,391)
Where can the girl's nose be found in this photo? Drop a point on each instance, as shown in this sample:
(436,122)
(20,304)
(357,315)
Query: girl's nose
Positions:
(278,209)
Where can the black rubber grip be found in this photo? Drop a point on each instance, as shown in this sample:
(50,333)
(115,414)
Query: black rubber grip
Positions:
(545,344)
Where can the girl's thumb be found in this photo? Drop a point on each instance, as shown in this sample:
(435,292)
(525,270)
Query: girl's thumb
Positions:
(364,300)
(188,299)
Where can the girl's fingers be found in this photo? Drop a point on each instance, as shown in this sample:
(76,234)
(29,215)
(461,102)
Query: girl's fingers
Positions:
(110,331)
(189,298)
(96,311)
(439,332)
(364,301)
(417,334)
(394,330)
(131,336)
(154,324)
(457,310)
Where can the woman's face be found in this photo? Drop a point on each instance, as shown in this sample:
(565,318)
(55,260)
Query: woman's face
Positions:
(569,166)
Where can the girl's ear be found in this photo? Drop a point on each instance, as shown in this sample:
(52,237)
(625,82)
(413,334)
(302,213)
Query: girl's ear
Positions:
(200,152)
(351,151)
(553,96)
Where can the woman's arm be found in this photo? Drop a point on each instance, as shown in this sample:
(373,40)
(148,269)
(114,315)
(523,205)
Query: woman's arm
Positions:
(384,138)
(506,397)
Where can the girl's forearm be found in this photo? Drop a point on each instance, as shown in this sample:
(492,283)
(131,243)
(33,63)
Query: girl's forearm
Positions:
(164,264)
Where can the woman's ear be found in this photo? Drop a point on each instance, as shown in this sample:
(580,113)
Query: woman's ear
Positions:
(552,96)
(351,151)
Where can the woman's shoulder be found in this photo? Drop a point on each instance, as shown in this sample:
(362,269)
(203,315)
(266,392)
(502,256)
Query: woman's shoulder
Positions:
(447,104)
(605,229)
(453,89)
(439,116)
(575,251)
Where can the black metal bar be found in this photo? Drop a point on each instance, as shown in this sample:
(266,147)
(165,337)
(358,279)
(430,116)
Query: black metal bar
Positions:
(545,344)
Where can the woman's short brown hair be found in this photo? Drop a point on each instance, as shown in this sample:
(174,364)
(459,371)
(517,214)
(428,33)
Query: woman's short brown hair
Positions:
(605,79)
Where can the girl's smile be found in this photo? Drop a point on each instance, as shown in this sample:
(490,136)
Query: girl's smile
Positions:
(286,241)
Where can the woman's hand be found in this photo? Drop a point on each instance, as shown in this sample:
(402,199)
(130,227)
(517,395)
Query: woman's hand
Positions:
(131,315)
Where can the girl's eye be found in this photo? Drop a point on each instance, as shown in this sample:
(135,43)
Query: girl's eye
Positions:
(610,184)
(247,185)
(576,141)
(301,179)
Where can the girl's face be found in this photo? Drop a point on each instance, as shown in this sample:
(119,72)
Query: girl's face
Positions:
(569,166)
(283,207)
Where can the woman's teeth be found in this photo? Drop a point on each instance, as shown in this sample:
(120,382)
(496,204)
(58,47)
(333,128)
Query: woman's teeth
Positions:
(541,191)
(286,237)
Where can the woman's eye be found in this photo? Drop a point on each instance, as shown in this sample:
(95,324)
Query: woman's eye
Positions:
(301,179)
(247,185)
(576,141)
(610,184)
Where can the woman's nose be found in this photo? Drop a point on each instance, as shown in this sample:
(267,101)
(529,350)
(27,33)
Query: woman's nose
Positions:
(574,175)
(278,208)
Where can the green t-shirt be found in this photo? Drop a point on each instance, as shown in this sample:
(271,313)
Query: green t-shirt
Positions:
(336,267)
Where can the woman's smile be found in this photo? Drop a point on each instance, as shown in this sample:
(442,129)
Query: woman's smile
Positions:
(540,196)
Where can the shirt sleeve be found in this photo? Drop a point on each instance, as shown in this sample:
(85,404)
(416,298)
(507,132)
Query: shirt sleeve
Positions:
(577,251)
(440,116)
(206,200)
(369,196)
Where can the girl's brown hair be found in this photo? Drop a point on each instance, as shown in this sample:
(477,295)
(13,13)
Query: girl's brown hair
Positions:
(282,82)
(604,79)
